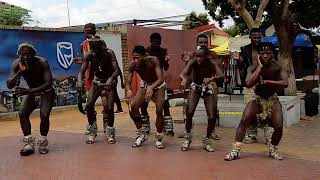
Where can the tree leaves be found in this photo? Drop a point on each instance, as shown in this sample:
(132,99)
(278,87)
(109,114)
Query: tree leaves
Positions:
(14,16)
(305,12)
(196,20)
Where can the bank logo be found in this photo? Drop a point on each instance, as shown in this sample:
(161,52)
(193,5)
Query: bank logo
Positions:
(64,54)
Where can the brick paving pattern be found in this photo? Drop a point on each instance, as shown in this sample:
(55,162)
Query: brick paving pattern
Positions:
(71,158)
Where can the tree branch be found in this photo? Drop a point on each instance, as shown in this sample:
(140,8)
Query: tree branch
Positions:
(243,2)
(285,9)
(262,6)
(235,4)
(239,6)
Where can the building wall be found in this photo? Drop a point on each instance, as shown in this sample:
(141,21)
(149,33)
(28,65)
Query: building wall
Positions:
(176,41)
(46,41)
(113,41)
(218,40)
(125,59)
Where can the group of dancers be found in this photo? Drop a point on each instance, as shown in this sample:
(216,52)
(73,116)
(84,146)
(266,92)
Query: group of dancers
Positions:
(99,73)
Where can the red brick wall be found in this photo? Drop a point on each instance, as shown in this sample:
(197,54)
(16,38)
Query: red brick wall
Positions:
(176,41)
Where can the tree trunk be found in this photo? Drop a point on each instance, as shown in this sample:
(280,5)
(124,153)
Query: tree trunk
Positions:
(286,62)
(262,6)
(286,41)
(285,57)
(239,6)
(286,34)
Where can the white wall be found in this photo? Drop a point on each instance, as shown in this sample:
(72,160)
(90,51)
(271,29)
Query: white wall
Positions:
(113,41)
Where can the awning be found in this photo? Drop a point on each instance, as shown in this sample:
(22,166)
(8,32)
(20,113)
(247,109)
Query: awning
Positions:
(221,50)
(302,40)
(237,42)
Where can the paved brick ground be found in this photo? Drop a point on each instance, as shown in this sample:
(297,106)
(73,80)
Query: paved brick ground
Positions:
(71,158)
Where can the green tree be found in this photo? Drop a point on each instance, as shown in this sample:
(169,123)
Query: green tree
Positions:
(283,14)
(233,30)
(14,16)
(306,12)
(196,20)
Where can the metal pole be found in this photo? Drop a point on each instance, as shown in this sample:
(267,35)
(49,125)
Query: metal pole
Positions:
(318,68)
(68,11)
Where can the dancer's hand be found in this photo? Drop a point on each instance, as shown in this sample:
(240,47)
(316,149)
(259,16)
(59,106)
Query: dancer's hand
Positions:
(128,96)
(108,85)
(265,81)
(259,62)
(183,85)
(22,67)
(149,92)
(20,91)
(206,81)
(167,58)
(186,56)
(77,60)
(79,87)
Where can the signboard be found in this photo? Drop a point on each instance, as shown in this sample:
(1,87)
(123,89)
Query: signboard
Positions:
(58,48)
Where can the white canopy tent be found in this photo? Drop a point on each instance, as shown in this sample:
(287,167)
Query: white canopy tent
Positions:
(236,42)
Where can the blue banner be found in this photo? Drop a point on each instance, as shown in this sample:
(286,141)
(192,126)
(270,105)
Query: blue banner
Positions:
(59,48)
(302,40)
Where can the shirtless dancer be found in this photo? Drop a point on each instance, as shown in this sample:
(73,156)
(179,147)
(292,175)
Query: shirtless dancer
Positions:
(249,56)
(105,69)
(116,97)
(202,41)
(36,72)
(90,32)
(268,78)
(204,71)
(152,88)
(155,49)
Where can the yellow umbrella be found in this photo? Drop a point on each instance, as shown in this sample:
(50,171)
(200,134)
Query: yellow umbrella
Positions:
(221,50)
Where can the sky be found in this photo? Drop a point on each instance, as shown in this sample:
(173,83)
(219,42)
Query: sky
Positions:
(53,13)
